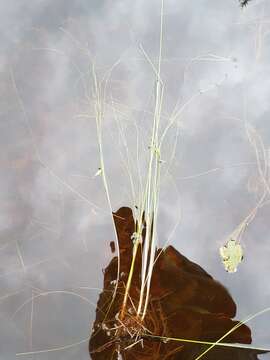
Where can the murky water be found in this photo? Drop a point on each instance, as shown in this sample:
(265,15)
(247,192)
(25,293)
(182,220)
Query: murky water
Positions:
(55,222)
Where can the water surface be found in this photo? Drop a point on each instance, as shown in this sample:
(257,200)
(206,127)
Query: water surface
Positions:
(55,222)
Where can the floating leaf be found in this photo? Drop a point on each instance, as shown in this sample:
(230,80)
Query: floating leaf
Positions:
(231,255)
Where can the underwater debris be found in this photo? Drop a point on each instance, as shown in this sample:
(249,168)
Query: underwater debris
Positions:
(185,302)
(112,246)
(244,3)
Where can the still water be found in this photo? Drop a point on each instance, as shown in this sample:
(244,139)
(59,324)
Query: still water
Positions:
(56,225)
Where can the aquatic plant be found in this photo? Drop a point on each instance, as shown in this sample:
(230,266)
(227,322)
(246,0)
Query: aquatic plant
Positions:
(146,209)
(134,308)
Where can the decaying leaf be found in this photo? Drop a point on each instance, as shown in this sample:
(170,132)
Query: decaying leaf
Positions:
(231,255)
(185,302)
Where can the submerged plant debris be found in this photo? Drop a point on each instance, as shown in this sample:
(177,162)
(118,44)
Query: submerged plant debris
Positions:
(185,303)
